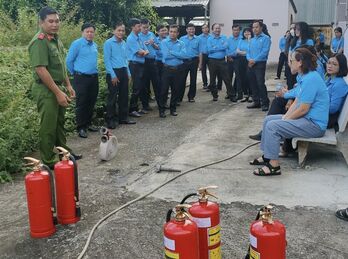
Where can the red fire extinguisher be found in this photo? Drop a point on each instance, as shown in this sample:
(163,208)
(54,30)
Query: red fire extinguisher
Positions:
(206,214)
(267,237)
(39,186)
(180,235)
(67,190)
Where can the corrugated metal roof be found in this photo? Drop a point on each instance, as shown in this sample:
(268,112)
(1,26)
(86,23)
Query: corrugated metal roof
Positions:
(316,12)
(178,3)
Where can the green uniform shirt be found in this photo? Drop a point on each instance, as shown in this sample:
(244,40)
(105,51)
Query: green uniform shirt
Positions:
(48,52)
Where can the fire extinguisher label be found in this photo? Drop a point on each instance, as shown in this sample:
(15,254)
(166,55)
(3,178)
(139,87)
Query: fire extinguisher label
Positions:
(215,253)
(214,235)
(254,254)
(170,244)
(171,255)
(253,241)
(202,222)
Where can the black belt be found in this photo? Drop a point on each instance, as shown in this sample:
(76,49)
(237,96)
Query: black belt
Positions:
(39,81)
(171,67)
(217,59)
(150,59)
(85,75)
(190,59)
(135,63)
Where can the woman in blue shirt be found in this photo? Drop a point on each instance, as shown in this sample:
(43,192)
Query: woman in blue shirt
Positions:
(242,48)
(337,43)
(307,117)
(336,86)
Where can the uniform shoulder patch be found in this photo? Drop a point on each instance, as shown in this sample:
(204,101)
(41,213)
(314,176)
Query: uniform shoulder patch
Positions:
(41,36)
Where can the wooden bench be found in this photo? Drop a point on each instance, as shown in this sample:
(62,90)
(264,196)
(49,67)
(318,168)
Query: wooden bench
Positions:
(339,139)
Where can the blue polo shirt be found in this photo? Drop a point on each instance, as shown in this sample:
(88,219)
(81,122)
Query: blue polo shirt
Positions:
(82,57)
(312,90)
(173,52)
(309,42)
(191,45)
(232,46)
(337,43)
(115,56)
(259,48)
(282,43)
(159,54)
(145,37)
(203,43)
(321,37)
(217,46)
(244,45)
(134,44)
(338,90)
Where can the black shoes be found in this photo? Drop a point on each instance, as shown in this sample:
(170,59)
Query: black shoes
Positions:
(173,113)
(82,133)
(233,99)
(162,115)
(254,106)
(142,112)
(135,114)
(127,122)
(76,156)
(277,78)
(264,108)
(93,129)
(215,98)
(256,137)
(191,100)
(111,124)
(245,99)
(227,97)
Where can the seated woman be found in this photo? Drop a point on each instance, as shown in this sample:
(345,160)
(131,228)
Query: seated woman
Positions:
(307,117)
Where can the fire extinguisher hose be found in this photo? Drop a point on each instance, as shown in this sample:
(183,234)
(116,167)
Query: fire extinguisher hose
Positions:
(187,197)
(77,196)
(154,190)
(53,191)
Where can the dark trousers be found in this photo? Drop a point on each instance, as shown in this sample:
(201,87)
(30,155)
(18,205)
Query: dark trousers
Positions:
(137,72)
(219,66)
(282,60)
(150,76)
(171,77)
(117,101)
(277,106)
(189,66)
(257,82)
(204,69)
(86,88)
(234,68)
(159,65)
(243,68)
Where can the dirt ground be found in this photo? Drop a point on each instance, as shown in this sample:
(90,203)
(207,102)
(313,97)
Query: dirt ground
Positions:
(136,232)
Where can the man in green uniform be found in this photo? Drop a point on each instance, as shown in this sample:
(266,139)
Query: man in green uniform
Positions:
(51,88)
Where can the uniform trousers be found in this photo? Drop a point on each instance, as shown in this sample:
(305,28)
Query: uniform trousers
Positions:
(204,69)
(275,130)
(243,68)
(52,119)
(282,60)
(219,66)
(171,77)
(189,66)
(151,77)
(257,82)
(86,88)
(234,68)
(117,101)
(137,72)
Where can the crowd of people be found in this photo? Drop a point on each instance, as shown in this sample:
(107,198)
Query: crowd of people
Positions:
(310,101)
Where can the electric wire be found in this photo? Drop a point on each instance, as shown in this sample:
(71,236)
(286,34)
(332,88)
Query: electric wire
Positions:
(81,255)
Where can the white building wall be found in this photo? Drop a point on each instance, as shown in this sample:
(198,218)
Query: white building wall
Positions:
(272,12)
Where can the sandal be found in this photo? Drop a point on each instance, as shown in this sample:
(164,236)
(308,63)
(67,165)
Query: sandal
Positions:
(257,162)
(342,214)
(273,171)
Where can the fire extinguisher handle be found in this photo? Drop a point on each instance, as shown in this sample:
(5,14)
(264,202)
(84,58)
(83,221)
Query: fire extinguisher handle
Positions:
(77,195)
(53,191)
(187,197)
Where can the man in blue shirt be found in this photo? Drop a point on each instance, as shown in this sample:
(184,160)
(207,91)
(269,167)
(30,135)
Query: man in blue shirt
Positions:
(282,56)
(233,62)
(136,52)
(217,47)
(190,63)
(82,62)
(321,38)
(257,58)
(203,54)
(117,77)
(173,51)
(150,69)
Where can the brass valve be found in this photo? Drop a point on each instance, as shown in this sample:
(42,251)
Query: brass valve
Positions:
(64,152)
(204,193)
(266,214)
(35,163)
(181,212)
